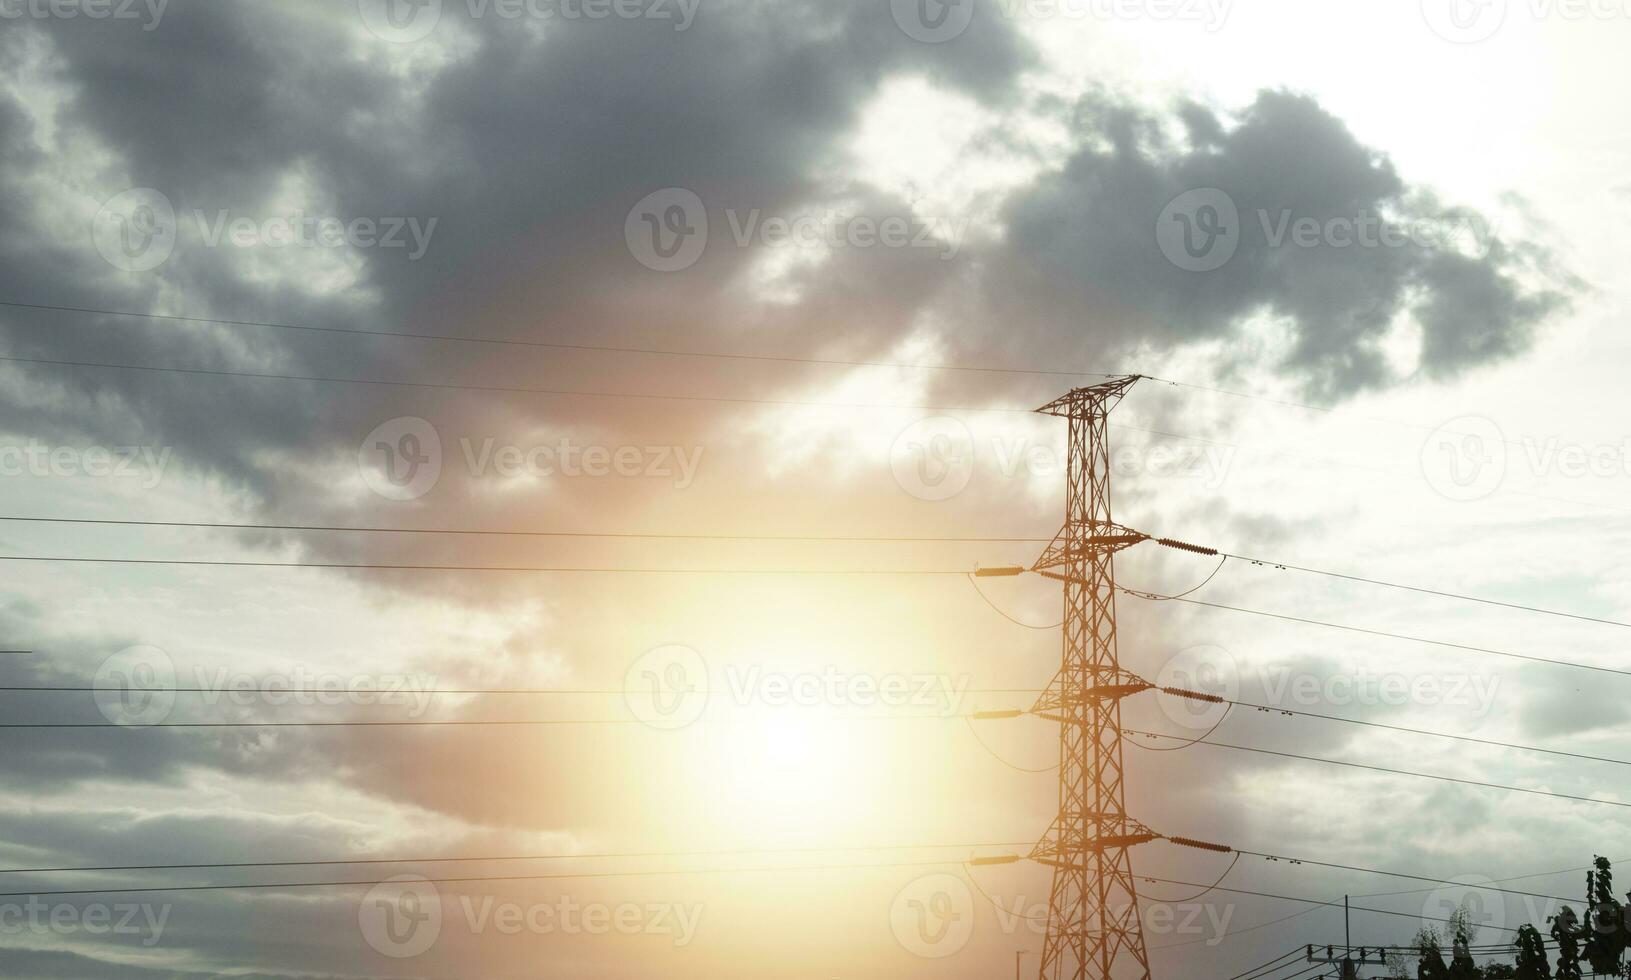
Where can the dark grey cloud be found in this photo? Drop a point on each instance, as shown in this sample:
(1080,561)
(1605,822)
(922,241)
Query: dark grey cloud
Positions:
(1082,246)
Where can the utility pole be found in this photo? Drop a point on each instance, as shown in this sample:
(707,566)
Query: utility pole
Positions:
(1094,931)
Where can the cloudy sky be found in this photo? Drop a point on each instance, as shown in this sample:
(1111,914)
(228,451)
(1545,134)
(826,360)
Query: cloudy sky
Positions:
(726,316)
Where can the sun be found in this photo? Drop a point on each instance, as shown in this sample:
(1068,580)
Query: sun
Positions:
(792,770)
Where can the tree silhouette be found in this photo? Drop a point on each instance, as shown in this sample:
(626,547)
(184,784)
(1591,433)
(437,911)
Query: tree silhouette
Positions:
(1430,956)
(1566,931)
(1531,963)
(1462,933)
(1605,921)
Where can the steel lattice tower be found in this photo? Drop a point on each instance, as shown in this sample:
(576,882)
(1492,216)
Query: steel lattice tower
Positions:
(1093,926)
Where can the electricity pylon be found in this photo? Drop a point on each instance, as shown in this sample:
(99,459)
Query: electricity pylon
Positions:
(1093,926)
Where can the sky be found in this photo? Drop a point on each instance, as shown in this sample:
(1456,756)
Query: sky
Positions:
(731,315)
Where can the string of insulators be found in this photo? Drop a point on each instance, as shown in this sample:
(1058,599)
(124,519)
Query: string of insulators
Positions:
(998,571)
(1193,695)
(1200,845)
(1186,546)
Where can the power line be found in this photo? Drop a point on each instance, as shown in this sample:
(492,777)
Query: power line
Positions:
(637,535)
(1000,612)
(487,568)
(1394,874)
(336,862)
(552,345)
(1416,891)
(1394,772)
(1225,556)
(1269,966)
(262,885)
(586,692)
(449,723)
(1015,570)
(1396,636)
(1418,731)
(663,854)
(1346,576)
(1294,898)
(651,535)
(91,689)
